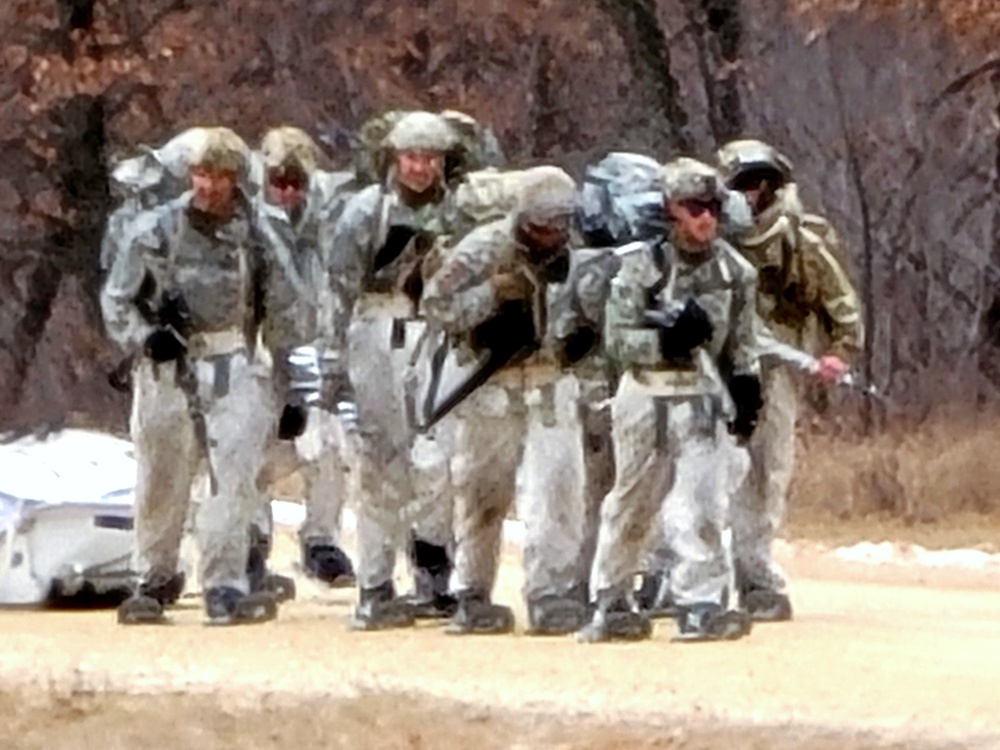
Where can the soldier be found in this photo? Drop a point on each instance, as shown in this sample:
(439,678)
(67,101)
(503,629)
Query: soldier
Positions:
(678,308)
(308,198)
(142,183)
(520,434)
(803,288)
(376,250)
(187,293)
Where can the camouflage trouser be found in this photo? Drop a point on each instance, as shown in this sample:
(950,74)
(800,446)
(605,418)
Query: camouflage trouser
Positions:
(660,554)
(326,474)
(599,463)
(167,455)
(666,459)
(395,492)
(524,443)
(759,505)
(430,471)
(318,455)
(236,401)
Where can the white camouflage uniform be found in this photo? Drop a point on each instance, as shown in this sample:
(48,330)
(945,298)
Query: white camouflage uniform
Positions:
(218,277)
(579,308)
(668,423)
(520,435)
(319,453)
(374,328)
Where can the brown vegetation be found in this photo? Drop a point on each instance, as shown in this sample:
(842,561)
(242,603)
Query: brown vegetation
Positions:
(889,110)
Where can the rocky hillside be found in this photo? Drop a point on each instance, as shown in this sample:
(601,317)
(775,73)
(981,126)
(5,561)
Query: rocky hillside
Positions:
(891,111)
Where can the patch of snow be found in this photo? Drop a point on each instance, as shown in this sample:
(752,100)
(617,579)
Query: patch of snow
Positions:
(888,553)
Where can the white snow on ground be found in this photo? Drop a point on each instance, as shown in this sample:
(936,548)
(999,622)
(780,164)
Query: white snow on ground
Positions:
(889,553)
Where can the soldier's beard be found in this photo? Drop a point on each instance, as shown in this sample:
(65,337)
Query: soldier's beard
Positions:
(692,245)
(217,207)
(416,199)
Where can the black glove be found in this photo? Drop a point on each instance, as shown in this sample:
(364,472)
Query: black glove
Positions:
(292,422)
(745,390)
(396,240)
(163,345)
(691,329)
(577,345)
(510,329)
(555,270)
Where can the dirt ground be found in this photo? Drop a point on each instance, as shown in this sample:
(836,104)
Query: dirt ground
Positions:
(877,657)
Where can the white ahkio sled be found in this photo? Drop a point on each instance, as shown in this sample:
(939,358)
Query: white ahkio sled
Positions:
(66,504)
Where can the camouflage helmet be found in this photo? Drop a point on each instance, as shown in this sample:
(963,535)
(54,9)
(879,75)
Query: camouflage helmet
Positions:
(288,146)
(422,131)
(546,193)
(741,157)
(222,149)
(690,179)
(176,154)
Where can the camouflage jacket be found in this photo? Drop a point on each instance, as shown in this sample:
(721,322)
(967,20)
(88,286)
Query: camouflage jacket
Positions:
(376,247)
(806,296)
(657,276)
(460,295)
(300,234)
(228,277)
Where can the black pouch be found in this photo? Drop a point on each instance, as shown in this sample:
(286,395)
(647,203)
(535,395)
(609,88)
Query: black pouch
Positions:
(221,372)
(397,338)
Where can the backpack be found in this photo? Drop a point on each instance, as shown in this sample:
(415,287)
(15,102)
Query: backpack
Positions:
(622,200)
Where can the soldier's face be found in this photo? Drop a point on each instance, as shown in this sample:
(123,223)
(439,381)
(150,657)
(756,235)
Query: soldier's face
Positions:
(286,188)
(214,190)
(696,223)
(419,171)
(759,187)
(544,235)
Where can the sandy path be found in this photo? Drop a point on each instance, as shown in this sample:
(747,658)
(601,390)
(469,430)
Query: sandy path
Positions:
(888,656)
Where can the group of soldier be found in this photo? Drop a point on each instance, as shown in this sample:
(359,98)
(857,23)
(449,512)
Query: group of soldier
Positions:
(435,336)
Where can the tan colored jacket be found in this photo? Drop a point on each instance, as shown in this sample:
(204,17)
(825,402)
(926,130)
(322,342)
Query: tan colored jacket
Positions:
(805,296)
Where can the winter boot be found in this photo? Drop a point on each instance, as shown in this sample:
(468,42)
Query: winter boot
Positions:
(145,606)
(710,622)
(654,598)
(258,551)
(477,615)
(615,620)
(281,587)
(559,614)
(259,577)
(225,605)
(431,573)
(379,609)
(166,591)
(764,605)
(326,562)
(140,609)
(762,595)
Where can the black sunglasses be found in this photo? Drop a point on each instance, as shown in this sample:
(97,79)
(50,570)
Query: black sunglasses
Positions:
(284,179)
(698,207)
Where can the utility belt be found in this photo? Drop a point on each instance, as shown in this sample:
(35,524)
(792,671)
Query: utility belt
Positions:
(388,304)
(395,306)
(528,375)
(699,378)
(217,343)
